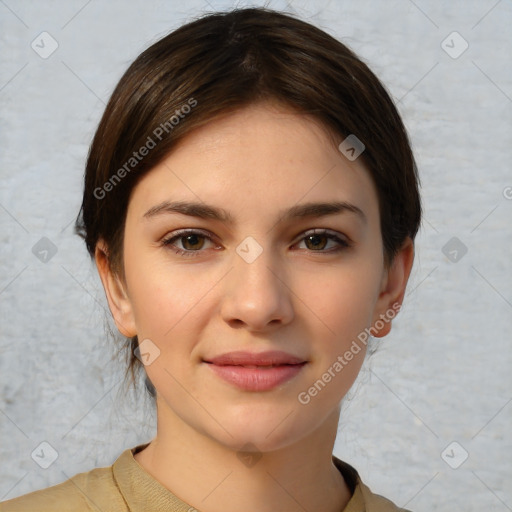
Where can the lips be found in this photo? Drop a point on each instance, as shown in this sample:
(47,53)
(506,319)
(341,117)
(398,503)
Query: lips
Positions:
(273,358)
(256,371)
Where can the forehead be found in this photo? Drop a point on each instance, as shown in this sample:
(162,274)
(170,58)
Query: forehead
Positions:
(257,160)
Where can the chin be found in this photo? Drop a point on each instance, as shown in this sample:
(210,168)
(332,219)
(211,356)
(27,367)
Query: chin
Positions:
(259,430)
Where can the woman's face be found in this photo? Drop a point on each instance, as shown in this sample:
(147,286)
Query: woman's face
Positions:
(239,306)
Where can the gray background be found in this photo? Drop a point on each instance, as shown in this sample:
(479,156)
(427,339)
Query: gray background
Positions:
(443,375)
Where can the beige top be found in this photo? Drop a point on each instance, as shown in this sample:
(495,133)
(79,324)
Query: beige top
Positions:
(127,487)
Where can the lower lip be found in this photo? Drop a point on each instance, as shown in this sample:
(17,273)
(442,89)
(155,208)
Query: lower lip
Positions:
(256,379)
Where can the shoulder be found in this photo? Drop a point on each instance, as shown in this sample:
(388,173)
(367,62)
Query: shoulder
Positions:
(376,502)
(92,490)
(363,499)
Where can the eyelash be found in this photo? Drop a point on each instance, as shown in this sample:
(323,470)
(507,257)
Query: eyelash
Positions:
(167,242)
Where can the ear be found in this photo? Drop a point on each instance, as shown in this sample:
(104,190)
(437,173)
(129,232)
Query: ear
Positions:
(393,287)
(118,300)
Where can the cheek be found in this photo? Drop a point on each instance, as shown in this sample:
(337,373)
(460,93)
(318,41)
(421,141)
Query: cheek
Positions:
(340,300)
(166,298)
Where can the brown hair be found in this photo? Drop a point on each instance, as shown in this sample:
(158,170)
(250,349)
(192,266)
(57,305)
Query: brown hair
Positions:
(217,64)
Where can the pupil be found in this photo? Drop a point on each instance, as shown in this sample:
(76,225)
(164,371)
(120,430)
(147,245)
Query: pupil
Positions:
(194,239)
(316,237)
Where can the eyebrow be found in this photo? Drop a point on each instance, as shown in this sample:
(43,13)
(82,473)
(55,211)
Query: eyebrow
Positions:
(205,211)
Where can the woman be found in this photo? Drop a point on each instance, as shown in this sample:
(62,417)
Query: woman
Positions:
(251,202)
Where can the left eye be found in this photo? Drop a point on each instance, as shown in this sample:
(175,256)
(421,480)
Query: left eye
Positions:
(193,241)
(320,238)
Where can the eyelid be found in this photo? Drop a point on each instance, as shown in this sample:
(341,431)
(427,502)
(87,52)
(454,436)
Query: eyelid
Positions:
(187,231)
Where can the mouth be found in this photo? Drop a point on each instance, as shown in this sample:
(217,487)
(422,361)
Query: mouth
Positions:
(256,371)
(257,360)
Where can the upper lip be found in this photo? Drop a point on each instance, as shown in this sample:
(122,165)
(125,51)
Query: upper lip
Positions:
(241,358)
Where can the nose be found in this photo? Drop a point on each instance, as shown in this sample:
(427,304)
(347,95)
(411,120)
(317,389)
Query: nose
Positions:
(257,295)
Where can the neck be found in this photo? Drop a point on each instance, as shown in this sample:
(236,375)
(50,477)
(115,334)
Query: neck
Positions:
(212,477)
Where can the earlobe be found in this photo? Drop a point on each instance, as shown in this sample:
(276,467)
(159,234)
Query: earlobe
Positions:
(393,289)
(117,298)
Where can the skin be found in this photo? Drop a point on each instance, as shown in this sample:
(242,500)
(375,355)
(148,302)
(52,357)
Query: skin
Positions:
(308,301)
